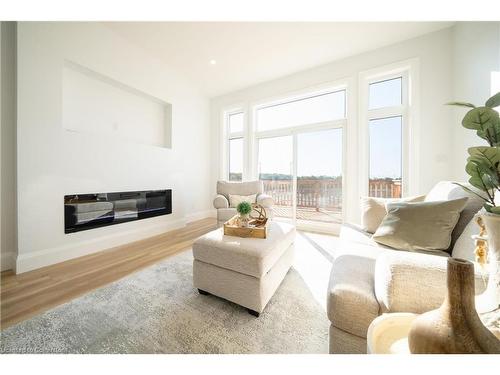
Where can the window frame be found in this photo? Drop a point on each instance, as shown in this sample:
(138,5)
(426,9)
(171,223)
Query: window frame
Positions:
(408,110)
(228,136)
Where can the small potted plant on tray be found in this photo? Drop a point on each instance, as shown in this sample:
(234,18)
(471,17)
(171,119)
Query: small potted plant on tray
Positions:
(244,209)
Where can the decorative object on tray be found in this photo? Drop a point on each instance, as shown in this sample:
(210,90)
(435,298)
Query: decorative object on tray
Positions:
(483,167)
(244,209)
(256,226)
(260,215)
(455,327)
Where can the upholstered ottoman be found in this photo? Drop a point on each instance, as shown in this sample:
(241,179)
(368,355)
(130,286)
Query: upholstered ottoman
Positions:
(246,271)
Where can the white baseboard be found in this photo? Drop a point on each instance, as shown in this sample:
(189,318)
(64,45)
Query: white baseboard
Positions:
(47,257)
(7,261)
(200,215)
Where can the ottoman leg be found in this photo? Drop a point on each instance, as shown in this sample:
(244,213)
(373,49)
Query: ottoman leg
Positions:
(254,313)
(203,292)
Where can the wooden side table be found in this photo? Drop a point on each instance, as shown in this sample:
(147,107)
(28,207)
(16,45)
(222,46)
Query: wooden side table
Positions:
(388,333)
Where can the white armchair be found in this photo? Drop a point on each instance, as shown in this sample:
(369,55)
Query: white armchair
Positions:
(225,188)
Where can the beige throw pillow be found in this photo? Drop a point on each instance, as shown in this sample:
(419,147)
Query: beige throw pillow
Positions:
(419,226)
(373,210)
(235,200)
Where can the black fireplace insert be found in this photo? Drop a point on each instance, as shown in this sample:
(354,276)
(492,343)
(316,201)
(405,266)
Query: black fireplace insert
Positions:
(89,211)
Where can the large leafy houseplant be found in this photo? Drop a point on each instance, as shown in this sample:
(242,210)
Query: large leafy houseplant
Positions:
(483,167)
(483,163)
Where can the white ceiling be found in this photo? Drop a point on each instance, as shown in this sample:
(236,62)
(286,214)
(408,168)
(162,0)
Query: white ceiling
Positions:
(248,53)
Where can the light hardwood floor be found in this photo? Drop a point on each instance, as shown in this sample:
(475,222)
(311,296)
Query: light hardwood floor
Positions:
(31,293)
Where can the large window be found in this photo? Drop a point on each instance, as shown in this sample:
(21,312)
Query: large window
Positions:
(300,156)
(235,131)
(315,157)
(386,111)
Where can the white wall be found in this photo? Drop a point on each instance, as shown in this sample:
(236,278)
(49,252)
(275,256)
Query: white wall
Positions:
(476,54)
(8,215)
(95,104)
(434,53)
(53,162)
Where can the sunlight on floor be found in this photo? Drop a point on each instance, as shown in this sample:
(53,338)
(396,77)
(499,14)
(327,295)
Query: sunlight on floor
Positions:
(314,254)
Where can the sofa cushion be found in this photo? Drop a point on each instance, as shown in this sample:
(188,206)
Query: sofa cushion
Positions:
(351,301)
(419,226)
(373,210)
(446,190)
(249,256)
(352,233)
(356,241)
(235,199)
(240,188)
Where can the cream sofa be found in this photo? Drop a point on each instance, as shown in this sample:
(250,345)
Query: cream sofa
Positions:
(224,188)
(369,279)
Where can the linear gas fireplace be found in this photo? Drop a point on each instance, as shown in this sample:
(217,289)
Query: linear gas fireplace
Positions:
(88,211)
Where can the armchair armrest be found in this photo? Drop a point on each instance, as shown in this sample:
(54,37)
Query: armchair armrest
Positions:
(265,200)
(221,201)
(412,282)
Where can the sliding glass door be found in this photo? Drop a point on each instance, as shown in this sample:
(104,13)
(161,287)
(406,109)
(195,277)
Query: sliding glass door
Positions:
(303,173)
(275,164)
(319,176)
(299,145)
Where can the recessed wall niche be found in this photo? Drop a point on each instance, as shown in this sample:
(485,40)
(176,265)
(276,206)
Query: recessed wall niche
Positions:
(101,106)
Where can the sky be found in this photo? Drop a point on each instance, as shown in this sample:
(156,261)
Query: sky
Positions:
(319,153)
(321,108)
(385,148)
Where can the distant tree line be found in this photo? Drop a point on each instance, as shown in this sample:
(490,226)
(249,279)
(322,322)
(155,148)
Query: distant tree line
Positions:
(279,176)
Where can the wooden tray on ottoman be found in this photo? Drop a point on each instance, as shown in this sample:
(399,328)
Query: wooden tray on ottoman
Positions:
(255,229)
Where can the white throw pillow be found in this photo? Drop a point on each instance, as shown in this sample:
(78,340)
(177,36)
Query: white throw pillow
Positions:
(235,200)
(373,210)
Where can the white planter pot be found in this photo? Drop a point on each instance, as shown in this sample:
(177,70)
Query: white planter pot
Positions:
(244,219)
(490,299)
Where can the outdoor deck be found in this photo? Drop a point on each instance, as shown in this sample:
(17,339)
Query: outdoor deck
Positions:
(309,214)
(321,199)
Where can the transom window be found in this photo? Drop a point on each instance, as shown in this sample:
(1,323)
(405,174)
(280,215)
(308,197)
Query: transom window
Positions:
(311,110)
(387,93)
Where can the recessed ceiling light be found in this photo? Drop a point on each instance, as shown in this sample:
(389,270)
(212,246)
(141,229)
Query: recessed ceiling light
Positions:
(213,62)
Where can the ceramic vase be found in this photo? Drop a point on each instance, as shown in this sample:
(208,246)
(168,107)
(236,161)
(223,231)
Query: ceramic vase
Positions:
(455,327)
(490,299)
(244,219)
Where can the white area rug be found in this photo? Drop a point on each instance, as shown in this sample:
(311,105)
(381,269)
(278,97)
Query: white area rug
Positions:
(157,310)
